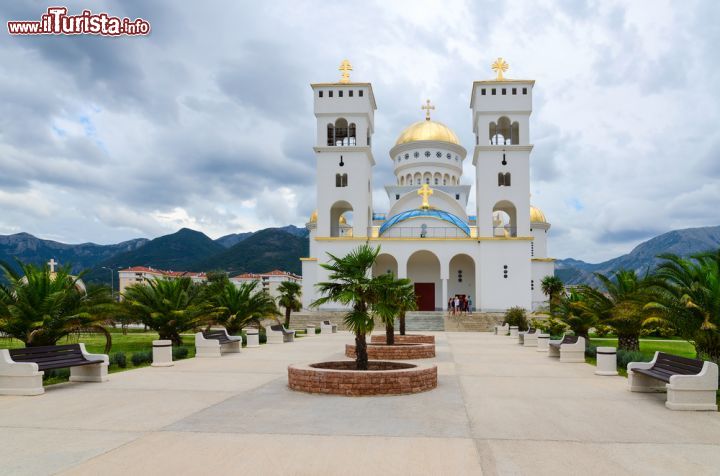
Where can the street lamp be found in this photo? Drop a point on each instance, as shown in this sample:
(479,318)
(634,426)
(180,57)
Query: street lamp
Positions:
(112,280)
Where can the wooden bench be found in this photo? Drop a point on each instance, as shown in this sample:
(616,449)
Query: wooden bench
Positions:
(216,341)
(502,330)
(277,334)
(326,327)
(530,339)
(21,370)
(522,334)
(569,349)
(691,384)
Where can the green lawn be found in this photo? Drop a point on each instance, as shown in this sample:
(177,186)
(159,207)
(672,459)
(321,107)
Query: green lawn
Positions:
(648,346)
(135,340)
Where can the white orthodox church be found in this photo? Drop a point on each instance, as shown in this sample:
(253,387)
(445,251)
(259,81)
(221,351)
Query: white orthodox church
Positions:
(495,254)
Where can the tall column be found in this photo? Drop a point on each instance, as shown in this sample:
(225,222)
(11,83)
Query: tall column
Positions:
(401,267)
(444,294)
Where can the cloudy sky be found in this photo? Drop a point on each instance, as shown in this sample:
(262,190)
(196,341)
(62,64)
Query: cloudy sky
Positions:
(207,122)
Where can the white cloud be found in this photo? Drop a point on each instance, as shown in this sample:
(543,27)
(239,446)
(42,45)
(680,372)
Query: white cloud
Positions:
(208,123)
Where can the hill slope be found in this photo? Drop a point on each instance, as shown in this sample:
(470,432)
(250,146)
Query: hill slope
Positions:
(265,250)
(178,251)
(30,249)
(643,257)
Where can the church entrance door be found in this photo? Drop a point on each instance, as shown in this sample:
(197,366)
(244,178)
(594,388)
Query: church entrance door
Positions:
(425,293)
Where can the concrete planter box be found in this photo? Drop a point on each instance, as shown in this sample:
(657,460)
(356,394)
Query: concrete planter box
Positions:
(406,339)
(382,378)
(394,352)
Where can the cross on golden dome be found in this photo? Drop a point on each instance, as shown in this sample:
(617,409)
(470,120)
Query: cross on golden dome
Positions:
(425,191)
(500,66)
(345,68)
(427,107)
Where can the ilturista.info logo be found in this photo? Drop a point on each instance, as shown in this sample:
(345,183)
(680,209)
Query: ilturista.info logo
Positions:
(56,21)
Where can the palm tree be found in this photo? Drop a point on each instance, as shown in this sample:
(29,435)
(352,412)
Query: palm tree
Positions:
(622,304)
(571,309)
(288,298)
(168,306)
(39,307)
(236,306)
(351,285)
(552,287)
(690,299)
(391,301)
(407,301)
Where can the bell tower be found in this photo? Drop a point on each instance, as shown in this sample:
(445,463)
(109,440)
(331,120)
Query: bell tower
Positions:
(345,113)
(501,110)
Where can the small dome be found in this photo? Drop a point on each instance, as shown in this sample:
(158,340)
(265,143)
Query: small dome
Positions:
(427,130)
(313,217)
(342,220)
(536,215)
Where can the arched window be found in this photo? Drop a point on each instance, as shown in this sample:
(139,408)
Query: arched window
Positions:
(446,179)
(341,132)
(341,180)
(402,181)
(344,180)
(504,179)
(504,132)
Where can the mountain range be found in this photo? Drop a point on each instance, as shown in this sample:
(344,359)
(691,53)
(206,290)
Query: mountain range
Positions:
(643,257)
(281,248)
(184,250)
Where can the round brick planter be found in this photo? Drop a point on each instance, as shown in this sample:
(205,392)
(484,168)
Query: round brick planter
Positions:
(394,352)
(406,339)
(382,378)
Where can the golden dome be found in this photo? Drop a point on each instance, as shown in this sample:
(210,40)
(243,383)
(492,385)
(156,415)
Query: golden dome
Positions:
(536,215)
(313,217)
(342,220)
(428,130)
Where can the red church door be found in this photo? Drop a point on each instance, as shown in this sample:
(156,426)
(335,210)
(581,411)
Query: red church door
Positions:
(425,293)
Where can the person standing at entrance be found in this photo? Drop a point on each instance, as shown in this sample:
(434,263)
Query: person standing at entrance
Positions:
(456,304)
(469,306)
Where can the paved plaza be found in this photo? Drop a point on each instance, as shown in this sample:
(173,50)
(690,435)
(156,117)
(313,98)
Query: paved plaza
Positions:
(499,409)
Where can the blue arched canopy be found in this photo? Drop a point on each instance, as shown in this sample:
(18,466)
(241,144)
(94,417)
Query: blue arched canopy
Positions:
(420,213)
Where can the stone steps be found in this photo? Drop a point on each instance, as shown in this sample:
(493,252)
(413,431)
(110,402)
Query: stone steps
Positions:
(424,321)
(477,322)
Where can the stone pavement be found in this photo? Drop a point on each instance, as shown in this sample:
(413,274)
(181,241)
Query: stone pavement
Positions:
(499,409)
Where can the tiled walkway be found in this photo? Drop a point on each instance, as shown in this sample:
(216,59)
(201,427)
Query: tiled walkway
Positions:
(499,409)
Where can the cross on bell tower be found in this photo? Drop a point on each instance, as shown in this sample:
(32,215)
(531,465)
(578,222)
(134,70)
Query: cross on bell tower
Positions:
(427,107)
(425,191)
(52,264)
(345,68)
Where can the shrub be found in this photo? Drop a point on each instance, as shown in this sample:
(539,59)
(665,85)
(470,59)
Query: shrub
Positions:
(590,351)
(263,337)
(119,359)
(516,316)
(142,357)
(624,357)
(660,329)
(179,353)
(602,330)
(551,325)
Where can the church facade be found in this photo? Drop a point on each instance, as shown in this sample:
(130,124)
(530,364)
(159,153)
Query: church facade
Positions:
(494,254)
